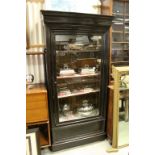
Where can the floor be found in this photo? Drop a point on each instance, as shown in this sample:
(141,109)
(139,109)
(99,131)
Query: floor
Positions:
(123,133)
(96,148)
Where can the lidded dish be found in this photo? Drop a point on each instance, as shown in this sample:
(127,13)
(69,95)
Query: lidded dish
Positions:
(64,91)
(66,71)
(86,109)
(88,70)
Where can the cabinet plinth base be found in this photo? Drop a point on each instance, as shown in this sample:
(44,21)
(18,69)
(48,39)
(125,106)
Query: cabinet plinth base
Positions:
(77,142)
(72,135)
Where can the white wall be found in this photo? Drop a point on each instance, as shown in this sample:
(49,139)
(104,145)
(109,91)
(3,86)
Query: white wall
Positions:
(34,63)
(35,28)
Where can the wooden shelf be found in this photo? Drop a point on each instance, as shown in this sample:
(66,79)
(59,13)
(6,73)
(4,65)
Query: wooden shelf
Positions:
(119,62)
(120,14)
(79,51)
(123,42)
(115,57)
(77,75)
(36,88)
(35,53)
(78,94)
(37,123)
(43,140)
(126,22)
(78,82)
(121,49)
(119,32)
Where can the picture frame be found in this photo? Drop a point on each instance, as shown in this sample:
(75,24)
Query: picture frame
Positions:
(32,142)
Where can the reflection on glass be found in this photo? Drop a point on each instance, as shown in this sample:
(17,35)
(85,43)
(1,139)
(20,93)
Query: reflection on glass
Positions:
(123,127)
(118,26)
(123,131)
(120,52)
(118,7)
(127,7)
(78,66)
(120,35)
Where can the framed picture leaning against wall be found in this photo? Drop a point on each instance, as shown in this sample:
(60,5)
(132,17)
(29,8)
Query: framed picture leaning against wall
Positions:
(32,142)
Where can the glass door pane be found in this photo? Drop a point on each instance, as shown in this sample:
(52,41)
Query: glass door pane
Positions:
(78,66)
(120,33)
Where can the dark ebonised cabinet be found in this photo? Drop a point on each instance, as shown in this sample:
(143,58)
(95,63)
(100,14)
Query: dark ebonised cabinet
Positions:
(77,61)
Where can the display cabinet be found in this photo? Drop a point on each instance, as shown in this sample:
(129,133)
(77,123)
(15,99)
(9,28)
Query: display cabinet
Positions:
(120,33)
(77,76)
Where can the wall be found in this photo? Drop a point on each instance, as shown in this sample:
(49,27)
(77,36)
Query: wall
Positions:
(35,38)
(35,35)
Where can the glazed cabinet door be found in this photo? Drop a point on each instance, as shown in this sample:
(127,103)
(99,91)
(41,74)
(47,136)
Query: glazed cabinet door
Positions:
(78,72)
(120,32)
